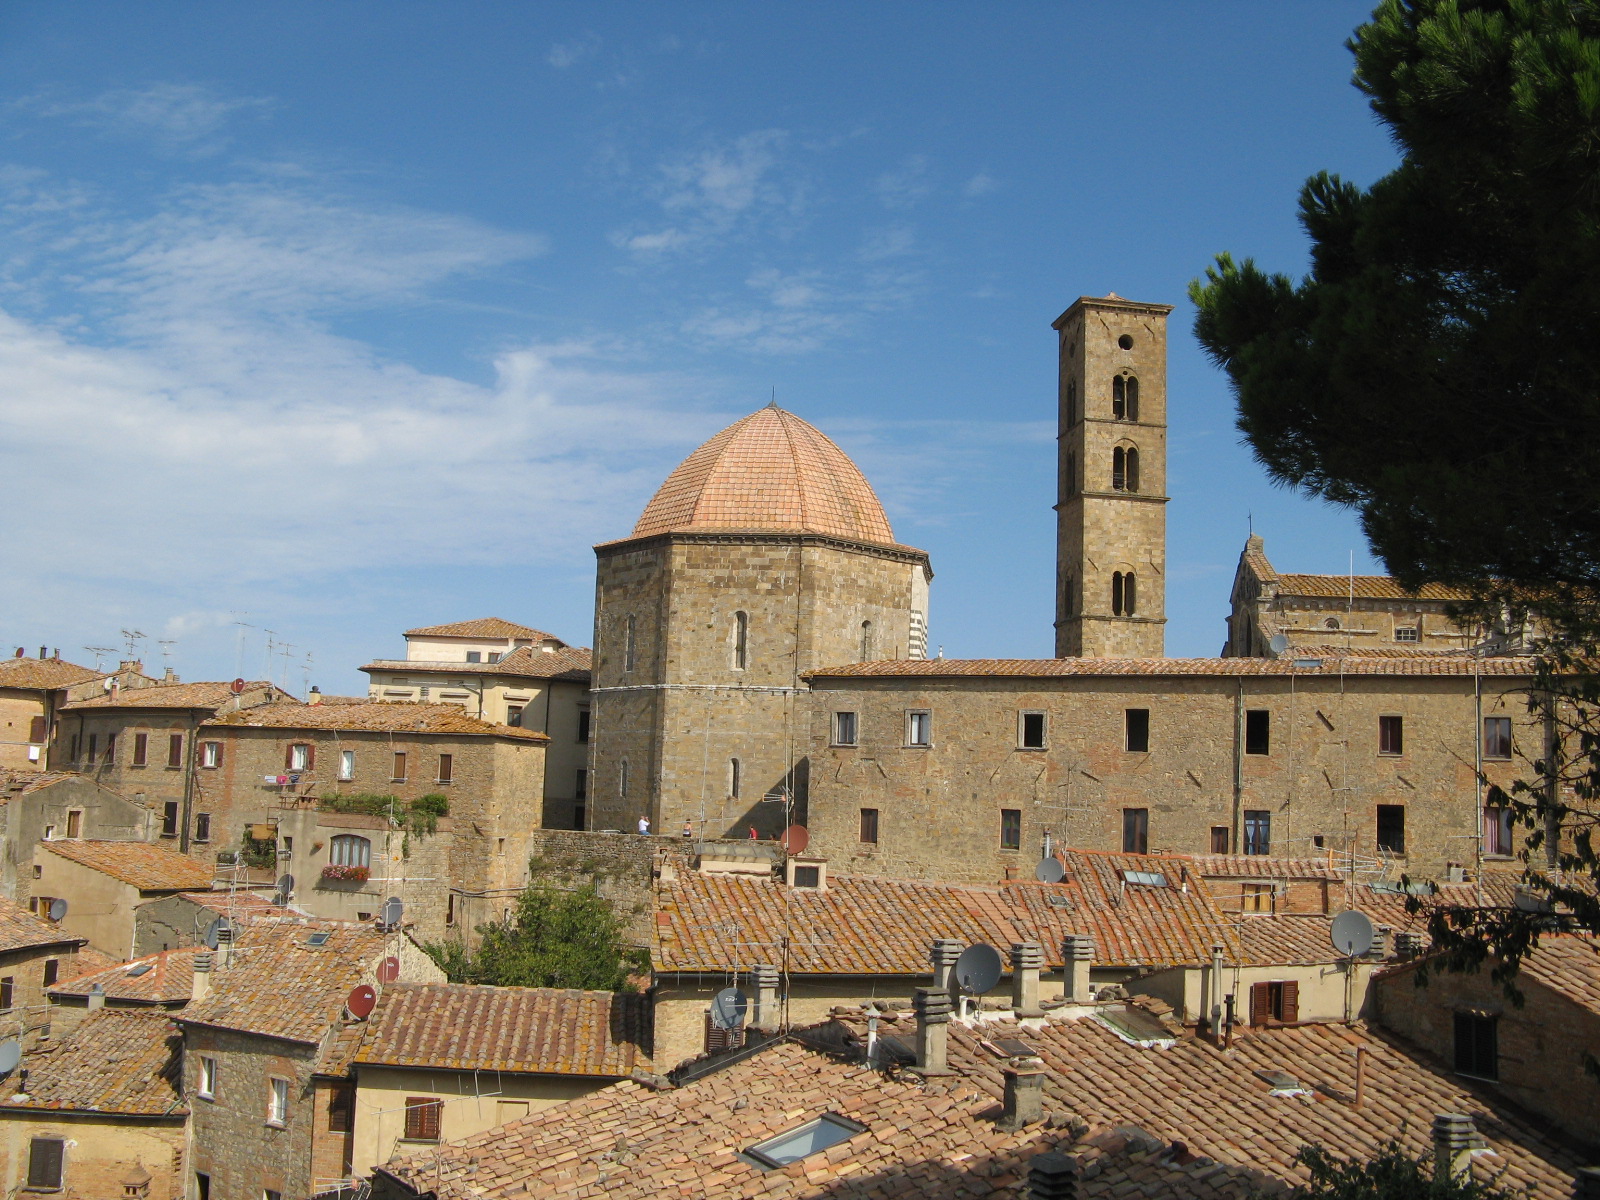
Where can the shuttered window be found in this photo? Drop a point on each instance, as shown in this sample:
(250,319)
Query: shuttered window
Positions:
(1274,1003)
(422,1118)
(44,1163)
(175,750)
(341,1104)
(141,749)
(36,730)
(718,1038)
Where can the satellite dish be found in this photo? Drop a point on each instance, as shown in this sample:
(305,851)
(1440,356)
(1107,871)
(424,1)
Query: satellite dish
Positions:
(360,1001)
(1352,934)
(1279,643)
(218,931)
(10,1056)
(389,970)
(978,969)
(728,1008)
(286,884)
(795,839)
(236,686)
(58,909)
(393,909)
(1050,870)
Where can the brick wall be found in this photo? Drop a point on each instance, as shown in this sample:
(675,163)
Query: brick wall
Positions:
(101,1151)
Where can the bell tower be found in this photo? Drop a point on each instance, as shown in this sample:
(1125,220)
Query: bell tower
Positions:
(1111,524)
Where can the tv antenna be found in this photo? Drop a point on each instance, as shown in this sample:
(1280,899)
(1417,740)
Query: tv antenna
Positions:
(166,645)
(132,638)
(99,652)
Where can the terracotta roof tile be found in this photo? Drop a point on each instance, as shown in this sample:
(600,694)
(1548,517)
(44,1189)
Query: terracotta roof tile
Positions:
(1264,866)
(167,978)
(115,1061)
(938,668)
(484,627)
(144,865)
(1365,587)
(525,662)
(532,1030)
(20,783)
(21,930)
(769,471)
(42,674)
(372,717)
(212,695)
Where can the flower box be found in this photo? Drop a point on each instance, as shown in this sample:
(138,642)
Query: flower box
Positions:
(338,873)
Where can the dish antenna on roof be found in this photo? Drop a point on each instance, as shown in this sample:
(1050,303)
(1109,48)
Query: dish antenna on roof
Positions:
(236,686)
(284,890)
(58,909)
(10,1056)
(1352,934)
(795,839)
(1279,643)
(360,1001)
(978,969)
(728,1008)
(218,932)
(1050,870)
(393,909)
(389,970)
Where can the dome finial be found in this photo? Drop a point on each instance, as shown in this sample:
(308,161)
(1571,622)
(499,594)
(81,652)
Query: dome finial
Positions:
(774,403)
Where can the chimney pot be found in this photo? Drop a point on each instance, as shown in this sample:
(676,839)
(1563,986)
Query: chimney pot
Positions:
(202,977)
(1027,961)
(765,979)
(1077,954)
(1453,1138)
(944,952)
(1023,1103)
(932,1006)
(1407,945)
(97,997)
(1053,1176)
(1381,940)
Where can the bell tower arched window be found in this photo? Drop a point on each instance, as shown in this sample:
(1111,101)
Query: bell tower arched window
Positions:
(629,647)
(1072,403)
(1125,469)
(867,647)
(1124,594)
(734,781)
(741,640)
(1125,398)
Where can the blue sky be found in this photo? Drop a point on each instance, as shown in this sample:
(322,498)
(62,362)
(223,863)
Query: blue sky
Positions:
(340,319)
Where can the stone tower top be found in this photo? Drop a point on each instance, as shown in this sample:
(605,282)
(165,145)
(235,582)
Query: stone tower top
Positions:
(771,472)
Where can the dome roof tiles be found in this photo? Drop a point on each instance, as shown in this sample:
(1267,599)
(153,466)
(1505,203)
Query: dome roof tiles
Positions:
(770,471)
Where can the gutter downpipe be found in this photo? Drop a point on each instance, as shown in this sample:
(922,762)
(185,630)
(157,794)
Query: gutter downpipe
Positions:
(1238,768)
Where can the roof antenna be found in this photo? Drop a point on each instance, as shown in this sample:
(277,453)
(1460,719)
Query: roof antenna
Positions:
(1250,523)
(774,403)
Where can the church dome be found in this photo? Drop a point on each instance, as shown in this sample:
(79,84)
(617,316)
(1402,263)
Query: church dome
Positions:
(770,471)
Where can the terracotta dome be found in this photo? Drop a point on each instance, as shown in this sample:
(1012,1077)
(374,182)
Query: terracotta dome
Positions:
(770,471)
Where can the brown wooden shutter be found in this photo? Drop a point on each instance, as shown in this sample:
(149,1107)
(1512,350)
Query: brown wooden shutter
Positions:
(36,730)
(44,1163)
(1260,1003)
(141,742)
(288,756)
(341,1102)
(422,1118)
(1291,1001)
(311,756)
(175,750)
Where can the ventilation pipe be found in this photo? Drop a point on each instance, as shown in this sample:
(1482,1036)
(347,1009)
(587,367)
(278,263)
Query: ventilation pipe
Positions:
(944,953)
(1407,945)
(202,977)
(1053,1176)
(765,978)
(1453,1139)
(1027,961)
(932,1006)
(1077,954)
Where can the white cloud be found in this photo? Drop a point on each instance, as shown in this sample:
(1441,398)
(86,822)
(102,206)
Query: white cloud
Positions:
(893,241)
(906,184)
(980,184)
(716,192)
(176,117)
(569,54)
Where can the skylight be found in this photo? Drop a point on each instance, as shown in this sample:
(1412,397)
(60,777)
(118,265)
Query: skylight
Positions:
(811,1138)
(139,968)
(319,938)
(1145,878)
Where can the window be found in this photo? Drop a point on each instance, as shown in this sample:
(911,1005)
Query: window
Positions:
(844,729)
(399,775)
(37,730)
(347,765)
(175,750)
(622,780)
(1011,829)
(475,656)
(807,877)
(447,768)
(277,1101)
(1277,1002)
(1257,831)
(341,1107)
(299,757)
(1072,403)
(866,641)
(211,755)
(580,787)
(141,749)
(75,823)
(1030,734)
(52,971)
(169,819)
(74,753)
(741,640)
(350,850)
(202,827)
(422,1118)
(733,779)
(1136,730)
(1125,398)
(1258,731)
(1331,623)
(202,1186)
(514,715)
(111,748)
(1392,828)
(1069,474)
(1498,824)
(1497,737)
(1257,897)
(629,646)
(1391,735)
(92,739)
(583,725)
(1219,839)
(208,1077)
(8,987)
(1124,594)
(1124,469)
(44,1164)
(869,826)
(813,1137)
(1477,1045)
(919,728)
(1407,633)
(1136,831)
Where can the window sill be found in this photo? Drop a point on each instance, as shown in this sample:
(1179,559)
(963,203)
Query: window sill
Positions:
(211,1096)
(1032,749)
(270,1124)
(917,746)
(844,745)
(444,781)
(401,780)
(418,1141)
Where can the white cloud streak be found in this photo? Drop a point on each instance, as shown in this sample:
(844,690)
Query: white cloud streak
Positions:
(177,118)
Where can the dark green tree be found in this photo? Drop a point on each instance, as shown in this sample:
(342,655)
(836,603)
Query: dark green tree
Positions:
(565,939)
(1438,370)
(1391,1174)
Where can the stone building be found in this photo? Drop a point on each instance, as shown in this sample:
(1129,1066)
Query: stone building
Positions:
(1111,524)
(511,675)
(36,806)
(34,954)
(104,883)
(765,555)
(31,692)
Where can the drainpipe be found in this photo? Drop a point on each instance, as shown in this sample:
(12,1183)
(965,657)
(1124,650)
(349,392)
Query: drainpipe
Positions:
(1238,768)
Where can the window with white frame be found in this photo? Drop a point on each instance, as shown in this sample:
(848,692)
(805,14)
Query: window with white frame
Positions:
(350,850)
(347,765)
(211,755)
(844,729)
(919,728)
(208,1077)
(277,1101)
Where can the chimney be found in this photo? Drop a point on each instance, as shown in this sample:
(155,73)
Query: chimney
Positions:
(169,676)
(1027,961)
(932,1006)
(1024,1097)
(1053,1176)
(944,953)
(1586,1184)
(315,696)
(1077,953)
(97,997)
(1407,945)
(1453,1138)
(1381,937)
(42,650)
(202,977)
(765,979)
(132,666)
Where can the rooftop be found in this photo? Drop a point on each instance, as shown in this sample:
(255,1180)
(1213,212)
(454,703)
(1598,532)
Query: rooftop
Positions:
(42,674)
(1363,587)
(485,627)
(770,471)
(115,1061)
(212,695)
(166,978)
(1265,866)
(551,1031)
(525,662)
(1300,666)
(372,717)
(19,783)
(21,930)
(144,865)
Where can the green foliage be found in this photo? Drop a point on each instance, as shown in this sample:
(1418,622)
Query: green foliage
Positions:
(1390,1175)
(257,855)
(420,816)
(553,939)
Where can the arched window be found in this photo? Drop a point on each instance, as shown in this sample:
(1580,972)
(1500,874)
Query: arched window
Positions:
(1069,595)
(1072,403)
(1131,388)
(1130,469)
(348,850)
(1119,397)
(1124,596)
(741,640)
(622,781)
(1331,623)
(628,646)
(733,778)
(867,647)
